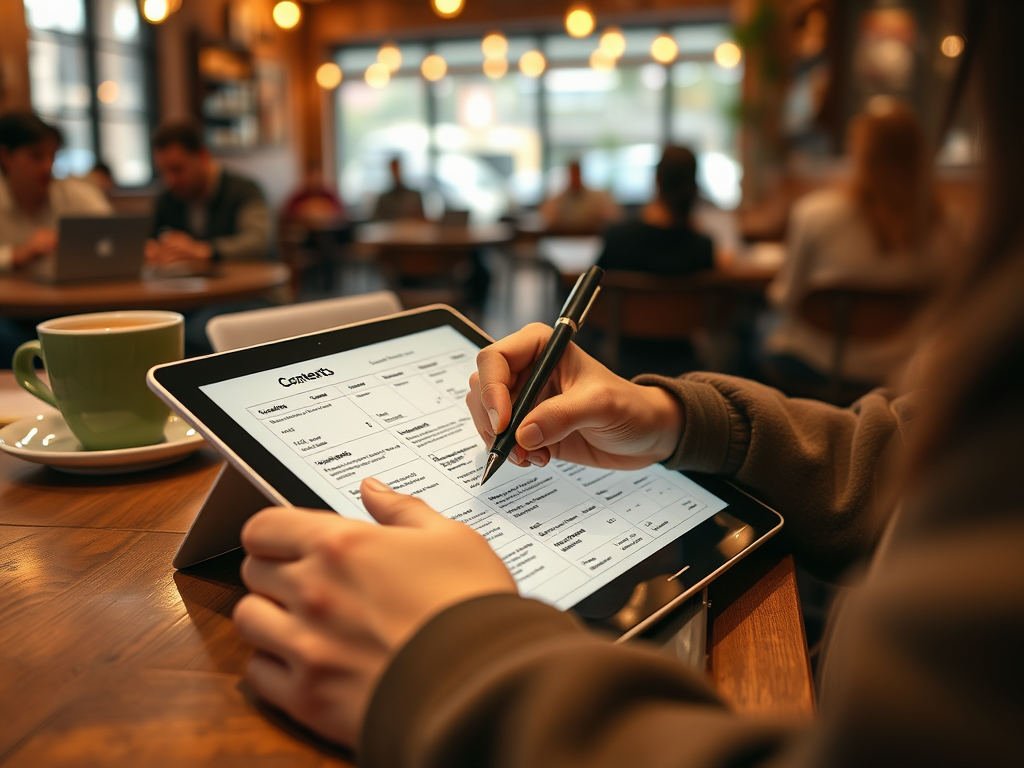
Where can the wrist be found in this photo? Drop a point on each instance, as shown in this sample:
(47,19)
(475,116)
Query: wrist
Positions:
(667,421)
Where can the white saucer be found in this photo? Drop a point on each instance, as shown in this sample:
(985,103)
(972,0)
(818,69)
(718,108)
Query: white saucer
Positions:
(47,439)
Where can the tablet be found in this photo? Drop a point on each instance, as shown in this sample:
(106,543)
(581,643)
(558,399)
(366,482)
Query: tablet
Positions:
(306,419)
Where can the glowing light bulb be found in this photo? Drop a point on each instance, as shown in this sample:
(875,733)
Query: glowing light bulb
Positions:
(728,55)
(377,75)
(579,21)
(108,91)
(952,46)
(494,46)
(447,9)
(532,64)
(328,76)
(156,11)
(287,14)
(434,68)
(495,68)
(664,49)
(613,43)
(601,61)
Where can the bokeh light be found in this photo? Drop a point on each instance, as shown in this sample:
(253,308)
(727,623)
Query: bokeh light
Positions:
(613,43)
(728,55)
(601,61)
(287,14)
(390,57)
(664,49)
(377,75)
(579,21)
(495,68)
(532,64)
(108,91)
(434,67)
(447,9)
(952,46)
(328,76)
(494,46)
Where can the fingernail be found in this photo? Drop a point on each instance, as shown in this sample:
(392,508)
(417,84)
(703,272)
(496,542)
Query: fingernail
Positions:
(516,454)
(530,436)
(492,414)
(537,461)
(376,485)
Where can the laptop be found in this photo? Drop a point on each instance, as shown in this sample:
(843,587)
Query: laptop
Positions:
(96,248)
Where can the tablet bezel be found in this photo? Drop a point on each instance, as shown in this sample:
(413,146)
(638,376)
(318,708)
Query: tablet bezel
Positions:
(674,578)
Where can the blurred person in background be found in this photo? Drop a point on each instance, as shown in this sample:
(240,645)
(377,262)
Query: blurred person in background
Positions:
(31,200)
(313,200)
(205,213)
(663,240)
(407,641)
(884,228)
(400,202)
(578,208)
(101,177)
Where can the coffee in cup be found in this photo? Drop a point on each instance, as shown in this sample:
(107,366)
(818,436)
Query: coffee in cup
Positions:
(97,365)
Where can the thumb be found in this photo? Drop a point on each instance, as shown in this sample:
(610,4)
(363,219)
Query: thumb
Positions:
(390,508)
(556,418)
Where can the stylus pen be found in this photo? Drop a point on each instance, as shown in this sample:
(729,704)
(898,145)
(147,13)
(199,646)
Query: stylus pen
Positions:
(570,320)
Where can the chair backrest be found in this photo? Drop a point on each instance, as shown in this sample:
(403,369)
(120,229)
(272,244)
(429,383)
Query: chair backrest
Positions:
(244,329)
(866,313)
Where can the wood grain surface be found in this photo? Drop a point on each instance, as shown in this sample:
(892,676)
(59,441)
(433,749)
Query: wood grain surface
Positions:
(24,298)
(110,657)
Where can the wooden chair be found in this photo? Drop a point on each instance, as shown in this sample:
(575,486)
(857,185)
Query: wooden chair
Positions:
(640,305)
(422,276)
(851,312)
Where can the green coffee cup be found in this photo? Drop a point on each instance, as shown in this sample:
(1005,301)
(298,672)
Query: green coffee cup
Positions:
(97,365)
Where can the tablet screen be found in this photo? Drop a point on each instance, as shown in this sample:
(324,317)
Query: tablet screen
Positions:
(396,410)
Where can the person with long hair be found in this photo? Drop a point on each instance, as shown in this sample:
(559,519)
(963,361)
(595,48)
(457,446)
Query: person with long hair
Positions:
(663,241)
(884,228)
(407,641)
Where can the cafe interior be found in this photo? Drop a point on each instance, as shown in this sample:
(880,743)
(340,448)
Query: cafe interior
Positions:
(791,203)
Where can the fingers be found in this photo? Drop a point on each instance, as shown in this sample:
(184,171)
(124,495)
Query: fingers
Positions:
(280,533)
(271,679)
(481,420)
(265,625)
(390,508)
(498,365)
(554,419)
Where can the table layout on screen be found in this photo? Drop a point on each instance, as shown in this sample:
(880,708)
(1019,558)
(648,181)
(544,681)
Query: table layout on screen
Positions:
(396,411)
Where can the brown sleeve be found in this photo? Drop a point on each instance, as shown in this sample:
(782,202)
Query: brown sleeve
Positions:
(505,681)
(820,466)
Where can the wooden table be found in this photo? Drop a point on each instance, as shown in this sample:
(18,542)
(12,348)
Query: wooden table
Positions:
(23,298)
(109,657)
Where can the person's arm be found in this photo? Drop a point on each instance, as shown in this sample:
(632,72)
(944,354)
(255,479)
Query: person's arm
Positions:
(786,290)
(251,242)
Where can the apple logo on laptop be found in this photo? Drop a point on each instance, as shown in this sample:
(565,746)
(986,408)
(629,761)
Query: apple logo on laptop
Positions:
(105,248)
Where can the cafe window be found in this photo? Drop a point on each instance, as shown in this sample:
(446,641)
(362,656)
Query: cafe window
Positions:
(493,143)
(88,68)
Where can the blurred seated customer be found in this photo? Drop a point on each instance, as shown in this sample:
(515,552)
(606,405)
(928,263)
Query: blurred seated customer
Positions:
(663,240)
(205,214)
(313,200)
(579,208)
(884,228)
(101,177)
(399,202)
(31,200)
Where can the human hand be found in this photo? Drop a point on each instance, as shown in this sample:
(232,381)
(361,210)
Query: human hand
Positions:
(173,247)
(586,414)
(42,241)
(332,600)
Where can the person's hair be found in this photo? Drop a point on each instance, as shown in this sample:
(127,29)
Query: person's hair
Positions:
(974,376)
(676,175)
(892,184)
(22,129)
(184,133)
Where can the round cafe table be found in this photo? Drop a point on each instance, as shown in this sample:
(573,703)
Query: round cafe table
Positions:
(21,297)
(408,235)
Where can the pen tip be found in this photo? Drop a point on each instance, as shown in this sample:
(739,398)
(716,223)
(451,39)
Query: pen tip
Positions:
(490,469)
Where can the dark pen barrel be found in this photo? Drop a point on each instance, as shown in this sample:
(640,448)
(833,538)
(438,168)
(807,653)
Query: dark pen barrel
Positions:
(560,338)
(582,295)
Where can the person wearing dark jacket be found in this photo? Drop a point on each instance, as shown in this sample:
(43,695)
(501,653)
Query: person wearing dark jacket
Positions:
(205,213)
(407,641)
(662,242)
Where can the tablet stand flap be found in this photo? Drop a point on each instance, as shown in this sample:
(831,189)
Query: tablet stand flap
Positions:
(217,528)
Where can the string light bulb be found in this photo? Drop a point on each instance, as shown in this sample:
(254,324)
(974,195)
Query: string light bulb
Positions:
(434,67)
(613,42)
(495,68)
(952,46)
(328,76)
(494,46)
(727,55)
(390,57)
(532,64)
(664,49)
(287,14)
(377,75)
(447,9)
(157,11)
(579,21)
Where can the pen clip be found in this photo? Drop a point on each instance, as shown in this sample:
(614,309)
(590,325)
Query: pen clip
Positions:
(586,311)
(561,312)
